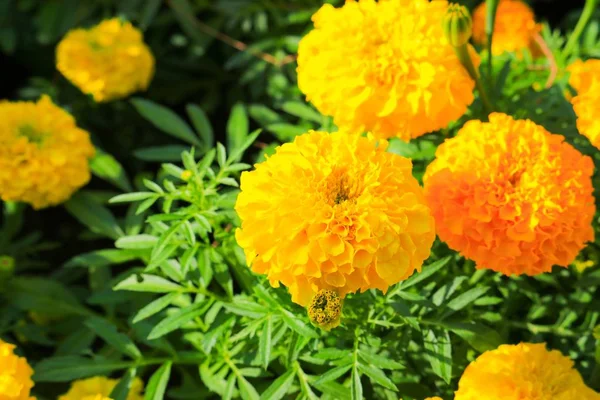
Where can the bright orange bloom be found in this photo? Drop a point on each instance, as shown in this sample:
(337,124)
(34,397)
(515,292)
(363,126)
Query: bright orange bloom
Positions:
(333,211)
(15,375)
(514,28)
(511,196)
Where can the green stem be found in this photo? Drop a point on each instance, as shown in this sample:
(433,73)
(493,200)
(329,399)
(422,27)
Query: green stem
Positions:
(463,55)
(586,15)
(490,21)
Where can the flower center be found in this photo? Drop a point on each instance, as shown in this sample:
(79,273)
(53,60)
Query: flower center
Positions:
(340,187)
(32,134)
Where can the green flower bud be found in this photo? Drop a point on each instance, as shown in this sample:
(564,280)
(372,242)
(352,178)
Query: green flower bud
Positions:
(325,309)
(458,25)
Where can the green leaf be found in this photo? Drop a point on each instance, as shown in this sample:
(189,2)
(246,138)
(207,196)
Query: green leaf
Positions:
(302,110)
(379,361)
(148,283)
(105,166)
(201,124)
(154,307)
(236,154)
(298,325)
(129,197)
(279,387)
(221,155)
(101,258)
(107,331)
(481,337)
(169,153)
(247,391)
(425,273)
(331,354)
(176,320)
(377,376)
(264,345)
(68,368)
(464,299)
(285,132)
(165,120)
(438,350)
(157,385)
(334,373)
(95,216)
(237,127)
(142,241)
(147,15)
(245,308)
(121,391)
(230,388)
(356,389)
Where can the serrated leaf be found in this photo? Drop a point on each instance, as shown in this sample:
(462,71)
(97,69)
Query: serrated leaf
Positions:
(377,376)
(379,361)
(155,307)
(247,391)
(334,373)
(264,345)
(427,271)
(107,331)
(331,354)
(230,388)
(438,350)
(165,120)
(464,299)
(129,197)
(356,389)
(142,241)
(148,283)
(279,388)
(298,325)
(176,320)
(157,385)
(481,337)
(237,127)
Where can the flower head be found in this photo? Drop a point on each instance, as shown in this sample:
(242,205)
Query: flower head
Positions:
(511,196)
(384,67)
(108,61)
(15,374)
(523,371)
(586,109)
(325,309)
(514,28)
(333,211)
(99,388)
(43,154)
(584,74)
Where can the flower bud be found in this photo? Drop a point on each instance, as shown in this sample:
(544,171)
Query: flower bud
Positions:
(325,309)
(458,25)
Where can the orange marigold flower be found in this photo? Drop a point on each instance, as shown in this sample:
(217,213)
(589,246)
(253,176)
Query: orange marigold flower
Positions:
(586,106)
(584,74)
(99,388)
(523,371)
(514,28)
(333,211)
(108,61)
(372,73)
(15,374)
(43,154)
(511,196)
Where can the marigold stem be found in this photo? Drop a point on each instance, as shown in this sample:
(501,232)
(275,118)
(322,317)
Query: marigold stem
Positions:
(586,15)
(490,21)
(463,55)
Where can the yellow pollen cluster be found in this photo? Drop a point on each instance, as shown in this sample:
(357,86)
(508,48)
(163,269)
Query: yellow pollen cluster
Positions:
(333,211)
(325,309)
(523,371)
(43,154)
(108,61)
(99,388)
(585,78)
(384,67)
(15,375)
(514,28)
(511,196)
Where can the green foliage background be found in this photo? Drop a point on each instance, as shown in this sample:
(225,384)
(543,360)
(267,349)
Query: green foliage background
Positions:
(139,273)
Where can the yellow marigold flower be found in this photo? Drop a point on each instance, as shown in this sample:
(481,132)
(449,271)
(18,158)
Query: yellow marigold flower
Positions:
(333,211)
(584,74)
(523,371)
(99,388)
(514,28)
(108,61)
(384,67)
(15,374)
(511,196)
(43,154)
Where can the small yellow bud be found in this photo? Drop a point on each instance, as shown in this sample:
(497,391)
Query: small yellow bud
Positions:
(325,309)
(458,25)
(186,175)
